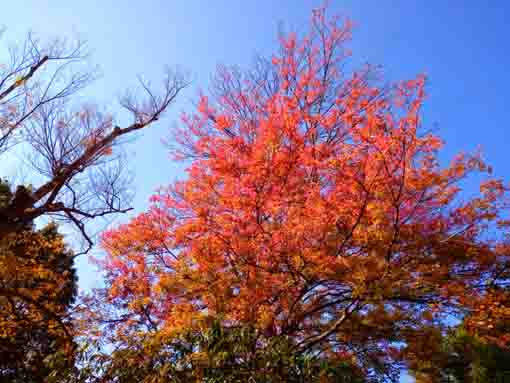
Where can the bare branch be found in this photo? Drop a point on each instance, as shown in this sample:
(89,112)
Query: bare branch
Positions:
(75,153)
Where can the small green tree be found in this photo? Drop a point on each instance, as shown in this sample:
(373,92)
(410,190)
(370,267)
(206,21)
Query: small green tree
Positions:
(215,354)
(463,358)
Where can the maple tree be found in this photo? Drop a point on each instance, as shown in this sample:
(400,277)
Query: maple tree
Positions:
(315,209)
(38,285)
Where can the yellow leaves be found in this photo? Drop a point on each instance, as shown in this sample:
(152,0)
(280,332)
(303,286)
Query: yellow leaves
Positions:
(26,257)
(351,202)
(37,286)
(200,358)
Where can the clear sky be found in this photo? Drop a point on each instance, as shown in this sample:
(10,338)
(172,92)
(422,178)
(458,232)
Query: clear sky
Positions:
(461,45)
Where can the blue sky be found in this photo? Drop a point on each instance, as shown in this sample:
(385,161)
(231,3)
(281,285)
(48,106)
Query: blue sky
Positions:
(461,45)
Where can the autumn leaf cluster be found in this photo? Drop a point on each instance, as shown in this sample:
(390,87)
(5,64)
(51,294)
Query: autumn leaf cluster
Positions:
(316,236)
(37,288)
(315,208)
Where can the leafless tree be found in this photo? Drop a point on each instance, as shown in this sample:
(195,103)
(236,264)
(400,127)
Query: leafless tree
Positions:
(73,151)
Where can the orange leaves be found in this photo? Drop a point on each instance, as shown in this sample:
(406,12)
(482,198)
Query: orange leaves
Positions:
(490,317)
(493,189)
(309,194)
(37,287)
(223,122)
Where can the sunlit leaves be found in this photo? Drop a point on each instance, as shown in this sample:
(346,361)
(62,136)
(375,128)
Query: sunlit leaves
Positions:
(37,287)
(315,208)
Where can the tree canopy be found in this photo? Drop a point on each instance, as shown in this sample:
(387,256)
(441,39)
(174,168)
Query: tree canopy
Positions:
(314,209)
(38,285)
(316,236)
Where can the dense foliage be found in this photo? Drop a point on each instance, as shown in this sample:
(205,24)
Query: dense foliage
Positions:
(461,357)
(317,237)
(38,284)
(316,211)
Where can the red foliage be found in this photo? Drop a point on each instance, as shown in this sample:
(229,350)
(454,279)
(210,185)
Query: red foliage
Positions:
(314,207)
